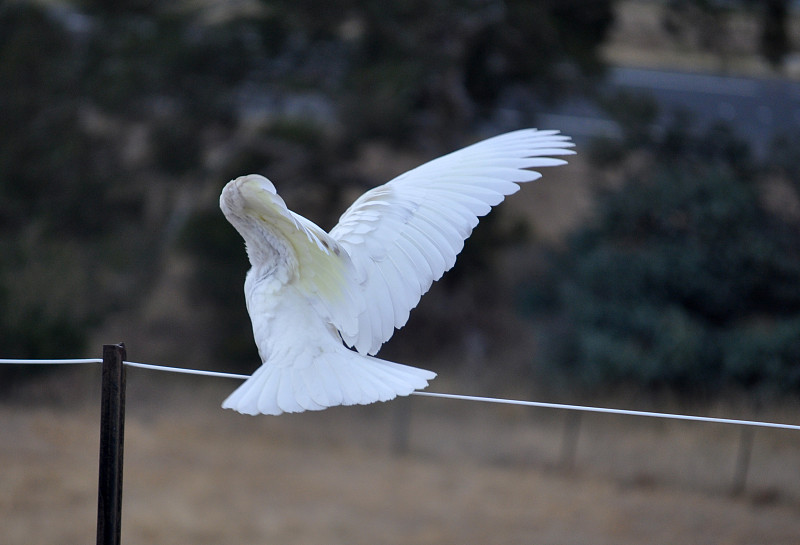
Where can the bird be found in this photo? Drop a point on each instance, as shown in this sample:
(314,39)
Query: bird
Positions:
(322,303)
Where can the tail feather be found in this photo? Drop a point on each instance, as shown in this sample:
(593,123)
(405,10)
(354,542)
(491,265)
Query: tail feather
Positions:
(327,384)
(342,378)
(352,392)
(312,393)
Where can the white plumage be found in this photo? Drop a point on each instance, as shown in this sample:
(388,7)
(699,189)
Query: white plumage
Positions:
(309,290)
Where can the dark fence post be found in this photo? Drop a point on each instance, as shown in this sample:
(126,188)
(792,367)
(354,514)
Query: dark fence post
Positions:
(112,428)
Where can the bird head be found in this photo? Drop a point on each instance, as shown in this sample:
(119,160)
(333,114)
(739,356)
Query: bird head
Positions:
(248,195)
(251,204)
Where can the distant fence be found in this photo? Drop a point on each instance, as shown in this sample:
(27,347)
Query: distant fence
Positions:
(112,429)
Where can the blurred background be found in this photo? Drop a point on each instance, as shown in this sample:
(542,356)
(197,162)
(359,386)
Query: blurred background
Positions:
(659,269)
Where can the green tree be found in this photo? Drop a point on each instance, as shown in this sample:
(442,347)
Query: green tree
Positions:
(44,197)
(683,280)
(707,23)
(131,106)
(775,43)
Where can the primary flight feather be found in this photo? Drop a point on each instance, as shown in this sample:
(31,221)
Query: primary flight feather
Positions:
(308,290)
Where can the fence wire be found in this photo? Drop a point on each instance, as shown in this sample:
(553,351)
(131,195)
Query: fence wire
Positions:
(539,404)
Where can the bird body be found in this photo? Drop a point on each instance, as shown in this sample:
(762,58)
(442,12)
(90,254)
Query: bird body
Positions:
(309,293)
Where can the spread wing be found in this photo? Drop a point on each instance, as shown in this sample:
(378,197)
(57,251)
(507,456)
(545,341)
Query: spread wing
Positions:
(404,235)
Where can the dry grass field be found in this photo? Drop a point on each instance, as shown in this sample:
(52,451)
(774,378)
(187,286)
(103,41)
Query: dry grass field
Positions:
(472,473)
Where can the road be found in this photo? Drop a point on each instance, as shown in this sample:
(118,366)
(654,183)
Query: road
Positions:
(758,109)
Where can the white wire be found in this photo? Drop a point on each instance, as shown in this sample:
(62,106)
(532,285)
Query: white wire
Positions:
(612,411)
(184,370)
(541,404)
(51,362)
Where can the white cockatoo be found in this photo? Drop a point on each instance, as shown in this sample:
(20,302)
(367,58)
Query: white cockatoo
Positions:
(308,291)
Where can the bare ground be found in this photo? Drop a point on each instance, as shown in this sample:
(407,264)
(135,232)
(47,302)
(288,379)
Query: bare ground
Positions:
(472,474)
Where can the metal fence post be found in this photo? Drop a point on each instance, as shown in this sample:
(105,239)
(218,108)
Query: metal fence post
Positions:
(569,440)
(112,428)
(743,456)
(401,426)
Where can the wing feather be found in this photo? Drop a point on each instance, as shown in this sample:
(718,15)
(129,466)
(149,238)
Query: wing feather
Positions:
(402,236)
